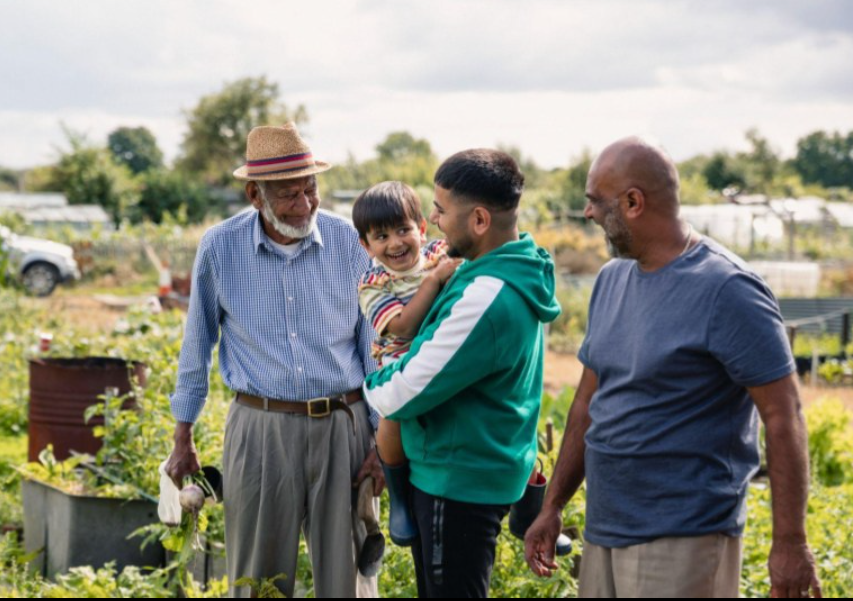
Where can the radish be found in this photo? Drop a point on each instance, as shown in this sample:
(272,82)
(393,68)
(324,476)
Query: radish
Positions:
(191,498)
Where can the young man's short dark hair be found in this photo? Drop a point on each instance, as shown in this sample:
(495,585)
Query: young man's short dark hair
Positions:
(385,206)
(490,177)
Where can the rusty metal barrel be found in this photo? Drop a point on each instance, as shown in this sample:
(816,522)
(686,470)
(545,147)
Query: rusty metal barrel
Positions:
(60,392)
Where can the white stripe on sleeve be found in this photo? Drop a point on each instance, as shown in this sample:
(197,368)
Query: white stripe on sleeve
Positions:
(435,354)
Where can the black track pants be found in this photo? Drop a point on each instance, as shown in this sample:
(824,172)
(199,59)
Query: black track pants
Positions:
(456,551)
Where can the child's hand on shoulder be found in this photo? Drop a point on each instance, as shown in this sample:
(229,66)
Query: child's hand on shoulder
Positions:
(445,269)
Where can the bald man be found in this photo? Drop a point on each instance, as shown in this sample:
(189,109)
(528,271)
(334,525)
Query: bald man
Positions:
(684,343)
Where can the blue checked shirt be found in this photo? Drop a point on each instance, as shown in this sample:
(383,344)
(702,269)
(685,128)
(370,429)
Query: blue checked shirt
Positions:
(290,327)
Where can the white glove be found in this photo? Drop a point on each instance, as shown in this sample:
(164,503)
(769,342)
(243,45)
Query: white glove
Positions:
(170,506)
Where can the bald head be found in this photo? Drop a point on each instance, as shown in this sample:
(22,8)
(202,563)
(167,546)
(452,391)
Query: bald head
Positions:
(636,163)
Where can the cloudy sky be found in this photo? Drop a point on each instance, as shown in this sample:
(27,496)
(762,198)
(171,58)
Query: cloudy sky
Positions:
(550,76)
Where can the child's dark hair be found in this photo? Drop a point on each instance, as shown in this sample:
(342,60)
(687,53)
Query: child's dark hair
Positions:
(385,206)
(482,175)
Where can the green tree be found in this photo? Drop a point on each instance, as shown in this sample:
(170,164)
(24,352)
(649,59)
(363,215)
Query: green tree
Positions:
(402,146)
(8,179)
(40,179)
(87,174)
(825,159)
(573,183)
(215,143)
(405,158)
(135,147)
(172,192)
(722,172)
(760,165)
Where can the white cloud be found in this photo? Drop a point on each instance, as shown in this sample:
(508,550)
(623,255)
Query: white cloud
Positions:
(548,75)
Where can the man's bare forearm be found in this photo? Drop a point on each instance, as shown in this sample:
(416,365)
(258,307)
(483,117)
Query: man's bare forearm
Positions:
(570,472)
(788,463)
(787,457)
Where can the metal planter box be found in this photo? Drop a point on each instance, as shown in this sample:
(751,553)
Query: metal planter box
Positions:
(81,531)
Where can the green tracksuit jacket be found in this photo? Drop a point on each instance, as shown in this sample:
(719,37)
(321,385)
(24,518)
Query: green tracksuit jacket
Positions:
(468,393)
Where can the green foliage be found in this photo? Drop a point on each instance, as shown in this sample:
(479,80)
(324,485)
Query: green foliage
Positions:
(40,179)
(823,168)
(830,442)
(13,452)
(400,157)
(9,179)
(722,172)
(14,222)
(80,583)
(830,529)
(87,174)
(264,588)
(403,146)
(694,191)
(827,345)
(174,193)
(15,579)
(572,184)
(132,583)
(215,143)
(136,148)
(568,331)
(556,408)
(826,159)
(835,371)
(18,334)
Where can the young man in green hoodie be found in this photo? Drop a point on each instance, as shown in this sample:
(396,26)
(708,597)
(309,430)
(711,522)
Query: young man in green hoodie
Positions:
(467,395)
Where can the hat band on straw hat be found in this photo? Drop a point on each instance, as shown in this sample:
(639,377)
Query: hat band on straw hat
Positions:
(286,164)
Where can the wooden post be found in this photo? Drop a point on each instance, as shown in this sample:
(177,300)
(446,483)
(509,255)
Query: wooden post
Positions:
(845,331)
(549,434)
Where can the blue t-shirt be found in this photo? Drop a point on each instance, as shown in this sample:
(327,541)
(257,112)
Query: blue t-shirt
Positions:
(674,437)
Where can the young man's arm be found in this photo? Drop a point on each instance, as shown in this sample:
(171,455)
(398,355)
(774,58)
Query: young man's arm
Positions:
(446,357)
(792,566)
(569,473)
(408,322)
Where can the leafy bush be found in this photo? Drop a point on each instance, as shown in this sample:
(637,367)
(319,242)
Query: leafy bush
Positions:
(826,346)
(830,442)
(568,331)
(830,529)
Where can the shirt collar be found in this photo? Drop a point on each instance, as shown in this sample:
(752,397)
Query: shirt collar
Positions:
(259,236)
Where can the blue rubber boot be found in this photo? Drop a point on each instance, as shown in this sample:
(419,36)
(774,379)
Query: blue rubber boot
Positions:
(404,529)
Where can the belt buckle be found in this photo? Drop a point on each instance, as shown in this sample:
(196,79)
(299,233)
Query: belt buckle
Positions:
(327,411)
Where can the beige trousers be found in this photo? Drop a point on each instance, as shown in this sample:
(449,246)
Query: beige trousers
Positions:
(701,567)
(287,473)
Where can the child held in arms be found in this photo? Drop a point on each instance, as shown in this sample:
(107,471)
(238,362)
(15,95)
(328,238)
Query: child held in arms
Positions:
(396,297)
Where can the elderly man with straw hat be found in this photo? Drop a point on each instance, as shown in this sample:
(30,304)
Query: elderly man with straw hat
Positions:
(277,287)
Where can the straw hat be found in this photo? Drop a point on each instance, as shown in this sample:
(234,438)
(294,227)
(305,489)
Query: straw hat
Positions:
(274,153)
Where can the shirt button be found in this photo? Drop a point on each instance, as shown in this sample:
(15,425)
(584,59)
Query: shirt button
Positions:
(293,335)
(290,299)
(299,369)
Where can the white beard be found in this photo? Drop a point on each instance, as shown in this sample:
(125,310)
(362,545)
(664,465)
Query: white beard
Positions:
(288,231)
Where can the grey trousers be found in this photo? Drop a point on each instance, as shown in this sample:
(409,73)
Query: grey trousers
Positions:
(287,473)
(669,568)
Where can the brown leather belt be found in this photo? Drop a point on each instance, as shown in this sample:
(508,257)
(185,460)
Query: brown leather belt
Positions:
(316,408)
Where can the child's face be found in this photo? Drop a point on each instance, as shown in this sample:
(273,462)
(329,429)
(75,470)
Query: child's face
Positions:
(397,248)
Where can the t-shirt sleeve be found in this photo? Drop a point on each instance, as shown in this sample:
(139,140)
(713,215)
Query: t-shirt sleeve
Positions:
(583,353)
(377,303)
(747,334)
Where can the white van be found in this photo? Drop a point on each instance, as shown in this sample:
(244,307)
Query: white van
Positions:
(41,264)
